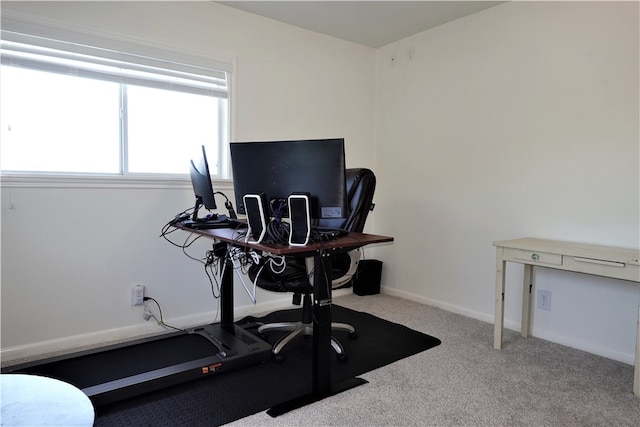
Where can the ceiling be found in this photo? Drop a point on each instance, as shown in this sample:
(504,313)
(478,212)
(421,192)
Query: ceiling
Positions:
(370,23)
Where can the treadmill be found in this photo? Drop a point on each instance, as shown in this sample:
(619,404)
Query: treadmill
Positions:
(120,371)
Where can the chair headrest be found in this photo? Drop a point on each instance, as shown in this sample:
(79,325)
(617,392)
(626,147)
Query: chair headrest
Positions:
(361,185)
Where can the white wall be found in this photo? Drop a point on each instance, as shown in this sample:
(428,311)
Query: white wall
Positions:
(521,120)
(71,253)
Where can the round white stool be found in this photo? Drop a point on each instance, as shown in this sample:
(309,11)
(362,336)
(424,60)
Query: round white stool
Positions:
(32,400)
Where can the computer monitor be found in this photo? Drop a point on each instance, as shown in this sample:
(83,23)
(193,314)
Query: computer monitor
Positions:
(201,182)
(281,168)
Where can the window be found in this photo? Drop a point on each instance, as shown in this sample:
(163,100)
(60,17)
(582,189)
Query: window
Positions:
(76,109)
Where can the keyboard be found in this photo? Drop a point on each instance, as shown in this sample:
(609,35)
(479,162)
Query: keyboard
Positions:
(208,224)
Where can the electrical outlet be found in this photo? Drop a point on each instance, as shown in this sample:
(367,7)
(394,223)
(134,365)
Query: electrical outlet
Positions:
(411,53)
(137,294)
(544,300)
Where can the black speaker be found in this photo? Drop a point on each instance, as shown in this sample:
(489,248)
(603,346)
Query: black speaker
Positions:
(299,219)
(255,205)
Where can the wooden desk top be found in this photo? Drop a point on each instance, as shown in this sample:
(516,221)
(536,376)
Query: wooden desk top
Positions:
(350,241)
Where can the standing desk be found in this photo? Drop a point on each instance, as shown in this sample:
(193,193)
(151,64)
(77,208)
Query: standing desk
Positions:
(605,261)
(320,254)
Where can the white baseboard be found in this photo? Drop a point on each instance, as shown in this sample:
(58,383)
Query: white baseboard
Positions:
(49,348)
(439,304)
(516,326)
(547,335)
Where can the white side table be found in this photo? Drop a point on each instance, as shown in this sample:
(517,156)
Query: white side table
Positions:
(32,400)
(605,261)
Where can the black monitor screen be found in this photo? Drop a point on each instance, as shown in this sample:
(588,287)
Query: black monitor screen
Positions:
(201,182)
(281,168)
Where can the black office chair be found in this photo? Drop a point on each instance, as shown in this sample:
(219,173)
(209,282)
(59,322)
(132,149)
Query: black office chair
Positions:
(361,185)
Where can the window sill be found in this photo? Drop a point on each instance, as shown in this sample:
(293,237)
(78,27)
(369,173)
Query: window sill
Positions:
(8,180)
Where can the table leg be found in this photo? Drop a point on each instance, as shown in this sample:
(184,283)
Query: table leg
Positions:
(321,361)
(322,325)
(527,287)
(322,386)
(226,293)
(499,299)
(636,369)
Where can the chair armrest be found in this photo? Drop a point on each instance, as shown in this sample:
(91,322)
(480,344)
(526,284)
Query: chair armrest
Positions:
(354,259)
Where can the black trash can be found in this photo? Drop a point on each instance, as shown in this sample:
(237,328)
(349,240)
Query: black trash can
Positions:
(367,279)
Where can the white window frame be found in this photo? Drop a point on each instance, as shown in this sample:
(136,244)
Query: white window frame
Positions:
(21,28)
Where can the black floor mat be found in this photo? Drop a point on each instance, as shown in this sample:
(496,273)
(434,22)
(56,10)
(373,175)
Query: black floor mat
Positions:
(220,399)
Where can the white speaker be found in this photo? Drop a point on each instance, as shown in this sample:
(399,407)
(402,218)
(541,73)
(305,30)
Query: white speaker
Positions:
(299,219)
(255,206)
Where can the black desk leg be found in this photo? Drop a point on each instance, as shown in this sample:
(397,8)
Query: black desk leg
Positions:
(226,294)
(322,351)
(321,325)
